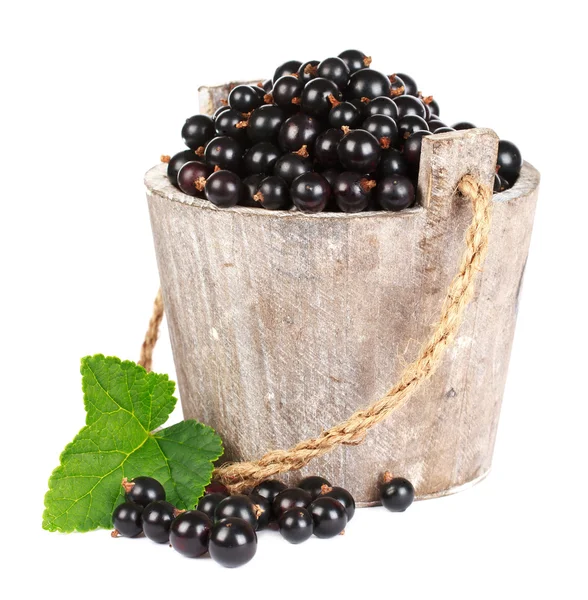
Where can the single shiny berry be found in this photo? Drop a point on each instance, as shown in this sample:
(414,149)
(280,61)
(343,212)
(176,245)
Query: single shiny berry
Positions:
(208,503)
(435,124)
(509,161)
(395,192)
(409,105)
(359,151)
(224,189)
(444,129)
(263,511)
(334,69)
(297,131)
(261,158)
(221,109)
(250,187)
(383,128)
(410,86)
(329,517)
(409,125)
(267,85)
(269,489)
(310,192)
(224,152)
(397,87)
(192,177)
(127,520)
(344,114)
(157,520)
(287,68)
(287,91)
(290,498)
(342,496)
(381,106)
(190,533)
(233,542)
(197,131)
(319,96)
(143,490)
(264,123)
(352,192)
(392,162)
(244,98)
(367,83)
(462,125)
(291,165)
(239,506)
(412,150)
(313,484)
(433,106)
(273,193)
(176,162)
(296,525)
(396,493)
(308,70)
(355,60)
(325,147)
(232,123)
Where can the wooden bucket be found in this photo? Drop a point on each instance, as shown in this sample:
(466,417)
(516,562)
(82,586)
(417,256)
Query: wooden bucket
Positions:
(283,324)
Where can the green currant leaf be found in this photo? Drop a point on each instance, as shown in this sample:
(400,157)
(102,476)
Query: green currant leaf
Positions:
(124,404)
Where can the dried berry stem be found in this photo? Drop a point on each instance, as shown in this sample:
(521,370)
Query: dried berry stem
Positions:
(311,70)
(333,100)
(365,100)
(200,183)
(325,489)
(165,158)
(385,142)
(115,533)
(367,61)
(199,151)
(258,197)
(387,478)
(303,152)
(268,98)
(297,100)
(367,184)
(345,129)
(127,485)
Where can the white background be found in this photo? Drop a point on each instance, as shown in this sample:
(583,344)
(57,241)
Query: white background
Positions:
(93,93)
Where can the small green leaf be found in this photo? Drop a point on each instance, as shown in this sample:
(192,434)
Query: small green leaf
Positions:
(124,405)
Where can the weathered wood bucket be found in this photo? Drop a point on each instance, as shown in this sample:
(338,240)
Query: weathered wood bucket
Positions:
(283,323)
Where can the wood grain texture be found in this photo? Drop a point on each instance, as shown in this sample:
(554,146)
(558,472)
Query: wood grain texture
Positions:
(284,323)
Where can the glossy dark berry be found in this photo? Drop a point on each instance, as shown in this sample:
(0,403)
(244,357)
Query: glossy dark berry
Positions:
(176,162)
(344,114)
(343,497)
(263,510)
(267,85)
(127,520)
(361,105)
(192,176)
(239,506)
(334,69)
(435,124)
(352,192)
(216,487)
(325,147)
(412,150)
(308,70)
(396,493)
(395,192)
(244,98)
(383,128)
(310,192)
(197,131)
(290,498)
(259,90)
(319,96)
(410,86)
(296,525)
(444,129)
(509,161)
(434,107)
(221,109)
(291,165)
(269,489)
(224,189)
(287,68)
(143,490)
(233,542)
(381,106)
(231,122)
(409,105)
(287,91)
(297,131)
(273,193)
(355,60)
(157,520)
(329,517)
(367,83)
(208,503)
(224,152)
(250,186)
(463,125)
(392,162)
(409,125)
(359,151)
(313,484)
(190,533)
(264,123)
(397,87)
(500,184)
(261,158)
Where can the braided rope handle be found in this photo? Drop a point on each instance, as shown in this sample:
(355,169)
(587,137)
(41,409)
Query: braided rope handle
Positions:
(241,475)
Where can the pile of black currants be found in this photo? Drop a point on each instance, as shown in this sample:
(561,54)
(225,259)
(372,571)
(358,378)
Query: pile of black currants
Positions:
(225,525)
(333,135)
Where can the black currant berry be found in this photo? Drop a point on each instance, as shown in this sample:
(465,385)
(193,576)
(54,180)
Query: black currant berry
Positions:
(463,125)
(224,189)
(392,162)
(259,90)
(127,519)
(395,192)
(197,131)
(325,147)
(157,520)
(224,152)
(433,106)
(412,150)
(355,60)
(288,68)
(261,158)
(233,542)
(273,193)
(509,162)
(381,106)
(143,490)
(286,92)
(330,175)
(334,69)
(208,503)
(329,517)
(409,105)
(291,497)
(216,487)
(443,129)
(435,124)
(231,122)
(383,128)
(352,192)
(344,114)
(342,496)
(296,525)
(291,165)
(176,162)
(368,83)
(313,484)
(397,87)
(310,192)
(244,98)
(190,532)
(264,123)
(308,70)
(410,86)
(192,177)
(297,131)
(267,85)
(319,96)
(250,186)
(500,184)
(239,506)
(396,493)
(359,151)
(221,109)
(263,510)
(269,489)
(361,104)
(411,124)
